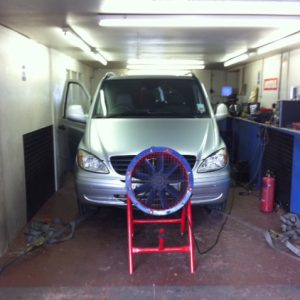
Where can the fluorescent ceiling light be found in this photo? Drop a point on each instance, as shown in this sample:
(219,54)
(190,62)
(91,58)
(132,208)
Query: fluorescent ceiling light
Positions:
(160,72)
(178,62)
(194,21)
(201,7)
(236,59)
(165,64)
(286,41)
(234,54)
(165,67)
(282,43)
(99,57)
(274,36)
(74,39)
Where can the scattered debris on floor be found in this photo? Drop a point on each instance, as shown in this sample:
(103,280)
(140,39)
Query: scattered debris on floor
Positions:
(42,233)
(289,237)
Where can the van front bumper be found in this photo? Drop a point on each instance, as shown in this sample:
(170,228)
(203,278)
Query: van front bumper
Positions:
(109,189)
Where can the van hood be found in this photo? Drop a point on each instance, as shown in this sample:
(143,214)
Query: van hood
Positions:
(112,137)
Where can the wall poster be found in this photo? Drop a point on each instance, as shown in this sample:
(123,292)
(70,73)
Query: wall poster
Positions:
(271,84)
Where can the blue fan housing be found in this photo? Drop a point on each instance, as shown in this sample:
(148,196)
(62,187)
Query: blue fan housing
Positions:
(159,181)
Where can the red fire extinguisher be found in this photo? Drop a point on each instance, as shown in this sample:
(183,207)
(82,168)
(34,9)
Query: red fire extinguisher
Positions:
(267,195)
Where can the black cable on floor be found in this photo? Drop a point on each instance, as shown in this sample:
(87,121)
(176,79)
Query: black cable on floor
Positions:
(264,141)
(219,232)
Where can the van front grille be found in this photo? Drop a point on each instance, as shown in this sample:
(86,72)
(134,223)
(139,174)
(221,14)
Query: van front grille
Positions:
(120,163)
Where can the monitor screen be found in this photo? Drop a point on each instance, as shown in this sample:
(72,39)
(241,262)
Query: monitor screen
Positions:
(254,108)
(226,91)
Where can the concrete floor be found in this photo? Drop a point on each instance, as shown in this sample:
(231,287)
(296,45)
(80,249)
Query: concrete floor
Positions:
(93,265)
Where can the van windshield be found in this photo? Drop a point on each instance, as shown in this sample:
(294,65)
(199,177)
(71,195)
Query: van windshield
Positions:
(148,98)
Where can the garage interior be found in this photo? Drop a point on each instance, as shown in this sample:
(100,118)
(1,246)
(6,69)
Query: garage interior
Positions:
(252,47)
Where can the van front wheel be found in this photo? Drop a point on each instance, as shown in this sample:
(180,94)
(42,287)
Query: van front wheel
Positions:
(217,209)
(84,209)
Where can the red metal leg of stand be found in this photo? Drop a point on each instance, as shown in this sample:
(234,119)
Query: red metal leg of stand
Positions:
(183,220)
(190,237)
(161,243)
(130,234)
(185,217)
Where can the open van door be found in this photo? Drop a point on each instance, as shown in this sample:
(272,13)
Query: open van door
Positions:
(75,108)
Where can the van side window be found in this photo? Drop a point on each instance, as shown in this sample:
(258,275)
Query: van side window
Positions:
(77,96)
(200,102)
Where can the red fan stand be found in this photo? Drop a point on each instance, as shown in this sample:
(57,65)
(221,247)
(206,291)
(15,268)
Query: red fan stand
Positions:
(186,217)
(159,182)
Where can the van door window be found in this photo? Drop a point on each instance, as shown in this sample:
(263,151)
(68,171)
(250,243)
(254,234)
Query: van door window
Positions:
(76,95)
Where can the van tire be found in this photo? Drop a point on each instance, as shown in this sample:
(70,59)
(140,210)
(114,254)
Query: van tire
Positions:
(217,209)
(84,209)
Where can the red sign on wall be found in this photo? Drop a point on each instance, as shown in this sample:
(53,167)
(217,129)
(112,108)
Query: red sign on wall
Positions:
(271,84)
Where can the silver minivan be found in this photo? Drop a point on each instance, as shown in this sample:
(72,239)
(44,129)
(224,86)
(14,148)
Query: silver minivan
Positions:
(129,114)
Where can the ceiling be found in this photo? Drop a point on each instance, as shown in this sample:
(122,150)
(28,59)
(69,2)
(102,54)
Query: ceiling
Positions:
(43,21)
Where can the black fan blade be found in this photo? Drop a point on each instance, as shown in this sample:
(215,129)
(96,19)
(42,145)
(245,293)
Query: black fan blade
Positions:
(150,197)
(141,175)
(171,169)
(176,180)
(149,167)
(143,188)
(160,162)
(163,199)
(172,191)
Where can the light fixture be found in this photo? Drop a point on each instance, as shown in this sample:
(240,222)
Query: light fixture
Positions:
(234,54)
(165,67)
(196,21)
(286,41)
(272,7)
(281,43)
(177,62)
(236,59)
(97,56)
(77,41)
(160,72)
(165,64)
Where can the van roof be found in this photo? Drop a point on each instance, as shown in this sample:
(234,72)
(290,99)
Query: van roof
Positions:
(121,77)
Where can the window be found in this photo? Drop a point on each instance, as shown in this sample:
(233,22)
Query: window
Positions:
(174,98)
(77,96)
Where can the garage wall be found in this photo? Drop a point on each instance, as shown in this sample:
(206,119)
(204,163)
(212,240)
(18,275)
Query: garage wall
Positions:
(271,71)
(283,67)
(24,107)
(252,78)
(257,74)
(31,79)
(293,72)
(3,225)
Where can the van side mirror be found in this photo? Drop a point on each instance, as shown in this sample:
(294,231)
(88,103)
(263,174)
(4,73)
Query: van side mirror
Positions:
(221,112)
(75,113)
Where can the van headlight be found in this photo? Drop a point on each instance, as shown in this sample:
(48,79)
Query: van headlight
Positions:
(216,161)
(91,163)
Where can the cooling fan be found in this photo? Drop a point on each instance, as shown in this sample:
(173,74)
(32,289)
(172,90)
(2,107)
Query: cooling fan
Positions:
(159,181)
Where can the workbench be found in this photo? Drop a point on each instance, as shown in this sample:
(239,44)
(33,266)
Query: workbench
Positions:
(264,147)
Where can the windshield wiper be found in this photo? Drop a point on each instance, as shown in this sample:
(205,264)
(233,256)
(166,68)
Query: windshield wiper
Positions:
(175,114)
(129,114)
(152,114)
